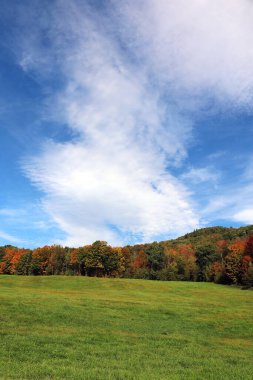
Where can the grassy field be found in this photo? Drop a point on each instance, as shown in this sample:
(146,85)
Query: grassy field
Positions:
(91,328)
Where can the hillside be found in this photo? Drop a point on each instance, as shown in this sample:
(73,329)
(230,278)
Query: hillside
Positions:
(214,233)
(218,254)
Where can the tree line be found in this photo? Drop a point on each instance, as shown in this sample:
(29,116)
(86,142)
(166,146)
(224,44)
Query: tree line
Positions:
(213,254)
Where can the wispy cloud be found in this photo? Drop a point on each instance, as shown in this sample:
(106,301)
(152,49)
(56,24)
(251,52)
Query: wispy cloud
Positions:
(27,226)
(131,81)
(111,181)
(199,175)
(244,216)
(8,238)
(196,47)
(234,199)
(9,212)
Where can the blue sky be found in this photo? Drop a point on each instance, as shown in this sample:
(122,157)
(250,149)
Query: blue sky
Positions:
(124,121)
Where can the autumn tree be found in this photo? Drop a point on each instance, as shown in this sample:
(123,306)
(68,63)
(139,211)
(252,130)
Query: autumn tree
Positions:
(23,266)
(249,247)
(233,261)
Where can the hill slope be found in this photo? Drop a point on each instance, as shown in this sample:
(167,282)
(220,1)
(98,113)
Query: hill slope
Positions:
(219,254)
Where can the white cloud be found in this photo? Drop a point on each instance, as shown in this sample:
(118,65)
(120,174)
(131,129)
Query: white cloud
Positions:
(232,202)
(199,175)
(111,182)
(244,216)
(197,45)
(8,212)
(126,88)
(8,238)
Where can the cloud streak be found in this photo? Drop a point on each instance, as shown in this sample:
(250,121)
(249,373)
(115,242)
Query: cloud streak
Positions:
(196,47)
(111,182)
(128,96)
(8,238)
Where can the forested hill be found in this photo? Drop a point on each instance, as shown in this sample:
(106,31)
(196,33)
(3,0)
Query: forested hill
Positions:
(203,235)
(218,254)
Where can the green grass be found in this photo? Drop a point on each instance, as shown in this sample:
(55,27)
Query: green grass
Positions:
(91,328)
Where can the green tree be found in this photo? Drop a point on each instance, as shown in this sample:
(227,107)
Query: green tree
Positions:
(155,256)
(23,266)
(205,255)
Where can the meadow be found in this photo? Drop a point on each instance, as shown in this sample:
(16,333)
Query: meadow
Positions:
(59,327)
